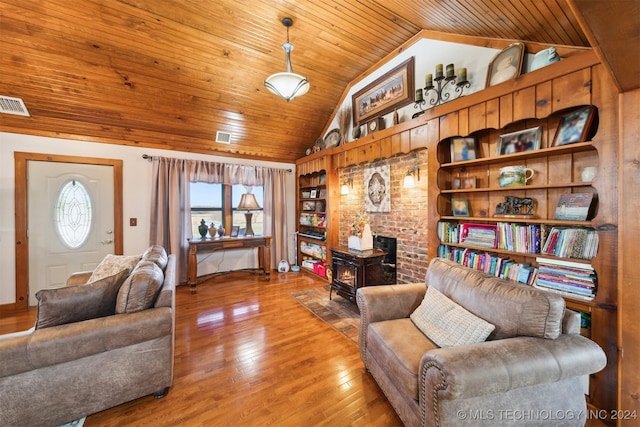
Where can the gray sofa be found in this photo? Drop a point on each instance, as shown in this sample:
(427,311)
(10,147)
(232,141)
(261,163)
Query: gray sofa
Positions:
(530,371)
(69,367)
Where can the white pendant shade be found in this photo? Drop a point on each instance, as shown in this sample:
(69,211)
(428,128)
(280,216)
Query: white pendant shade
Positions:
(287,85)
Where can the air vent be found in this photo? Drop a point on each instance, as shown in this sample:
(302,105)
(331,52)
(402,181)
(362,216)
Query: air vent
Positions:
(223,137)
(9,105)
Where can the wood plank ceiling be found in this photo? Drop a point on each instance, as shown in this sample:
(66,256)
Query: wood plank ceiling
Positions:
(170,73)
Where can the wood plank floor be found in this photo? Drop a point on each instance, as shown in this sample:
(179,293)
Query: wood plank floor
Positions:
(248,354)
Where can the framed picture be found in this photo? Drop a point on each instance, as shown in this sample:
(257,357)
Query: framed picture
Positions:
(506,65)
(520,141)
(469,182)
(460,207)
(463,149)
(234,231)
(575,126)
(308,206)
(456,183)
(313,194)
(393,90)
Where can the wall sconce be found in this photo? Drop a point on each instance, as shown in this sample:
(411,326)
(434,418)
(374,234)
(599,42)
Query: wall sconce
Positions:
(344,189)
(410,178)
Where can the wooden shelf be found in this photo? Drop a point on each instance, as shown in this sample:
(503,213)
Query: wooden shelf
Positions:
(543,152)
(524,187)
(518,220)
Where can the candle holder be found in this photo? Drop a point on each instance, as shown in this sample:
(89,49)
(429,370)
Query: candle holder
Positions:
(437,94)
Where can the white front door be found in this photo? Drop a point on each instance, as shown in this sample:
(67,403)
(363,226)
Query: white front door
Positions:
(70,221)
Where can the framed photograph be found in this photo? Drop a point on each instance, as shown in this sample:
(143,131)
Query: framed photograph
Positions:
(460,207)
(520,141)
(234,231)
(456,183)
(575,126)
(469,182)
(463,149)
(506,65)
(308,206)
(313,194)
(393,90)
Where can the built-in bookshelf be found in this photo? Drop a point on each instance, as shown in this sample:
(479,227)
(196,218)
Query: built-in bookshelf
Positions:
(312,223)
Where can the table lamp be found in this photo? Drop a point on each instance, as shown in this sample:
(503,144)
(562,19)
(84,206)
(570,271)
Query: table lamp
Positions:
(247,203)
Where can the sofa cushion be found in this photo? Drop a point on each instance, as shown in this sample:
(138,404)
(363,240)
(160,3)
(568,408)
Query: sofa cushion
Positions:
(514,309)
(446,323)
(140,290)
(157,254)
(399,346)
(112,264)
(81,302)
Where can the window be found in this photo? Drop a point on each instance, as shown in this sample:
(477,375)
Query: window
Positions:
(74,214)
(216,203)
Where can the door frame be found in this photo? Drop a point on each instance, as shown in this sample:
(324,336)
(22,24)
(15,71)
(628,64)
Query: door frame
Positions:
(21,160)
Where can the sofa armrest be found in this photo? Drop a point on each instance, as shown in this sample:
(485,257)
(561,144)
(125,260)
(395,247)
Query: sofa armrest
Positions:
(499,366)
(385,302)
(79,278)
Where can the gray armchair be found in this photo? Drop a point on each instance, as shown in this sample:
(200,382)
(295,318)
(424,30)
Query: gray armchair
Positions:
(532,370)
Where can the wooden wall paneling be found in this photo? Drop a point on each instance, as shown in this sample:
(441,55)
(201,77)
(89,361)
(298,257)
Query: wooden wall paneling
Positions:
(351,157)
(506,110)
(337,160)
(385,148)
(419,137)
(524,103)
(401,142)
(629,267)
(544,102)
(492,115)
(449,125)
(369,152)
(463,122)
(572,89)
(602,384)
(433,164)
(477,117)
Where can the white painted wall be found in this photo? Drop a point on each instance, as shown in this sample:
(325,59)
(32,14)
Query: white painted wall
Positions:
(427,54)
(136,198)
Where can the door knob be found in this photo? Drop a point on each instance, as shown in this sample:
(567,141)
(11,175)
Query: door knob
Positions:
(106,242)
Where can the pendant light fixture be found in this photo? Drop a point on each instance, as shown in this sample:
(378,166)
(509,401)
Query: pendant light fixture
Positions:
(288,84)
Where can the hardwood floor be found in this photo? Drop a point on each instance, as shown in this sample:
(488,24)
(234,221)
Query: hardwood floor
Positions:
(248,354)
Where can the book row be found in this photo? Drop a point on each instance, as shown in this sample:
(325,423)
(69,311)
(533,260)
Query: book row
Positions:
(571,279)
(564,242)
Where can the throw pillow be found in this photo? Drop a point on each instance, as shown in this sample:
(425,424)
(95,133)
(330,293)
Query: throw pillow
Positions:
(112,264)
(157,254)
(81,302)
(140,289)
(448,324)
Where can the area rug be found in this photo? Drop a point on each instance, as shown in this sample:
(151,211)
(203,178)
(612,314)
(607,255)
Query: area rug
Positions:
(338,312)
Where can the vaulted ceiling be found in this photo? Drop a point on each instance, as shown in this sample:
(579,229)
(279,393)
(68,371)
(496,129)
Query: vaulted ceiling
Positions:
(170,73)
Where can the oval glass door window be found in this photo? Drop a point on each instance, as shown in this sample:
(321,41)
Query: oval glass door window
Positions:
(74,214)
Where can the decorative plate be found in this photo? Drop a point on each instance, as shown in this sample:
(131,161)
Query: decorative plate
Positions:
(332,139)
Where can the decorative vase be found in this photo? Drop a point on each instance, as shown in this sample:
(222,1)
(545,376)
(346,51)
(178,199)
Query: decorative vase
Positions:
(221,231)
(202,229)
(212,231)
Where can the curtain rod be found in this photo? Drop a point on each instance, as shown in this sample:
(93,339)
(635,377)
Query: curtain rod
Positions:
(150,158)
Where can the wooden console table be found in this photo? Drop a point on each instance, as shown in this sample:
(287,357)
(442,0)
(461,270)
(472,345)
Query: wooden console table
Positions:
(263,243)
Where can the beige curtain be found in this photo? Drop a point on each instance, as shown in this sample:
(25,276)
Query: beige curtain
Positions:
(171,210)
(170,205)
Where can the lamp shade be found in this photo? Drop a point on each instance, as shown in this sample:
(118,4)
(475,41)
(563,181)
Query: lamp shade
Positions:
(248,202)
(409,181)
(287,85)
